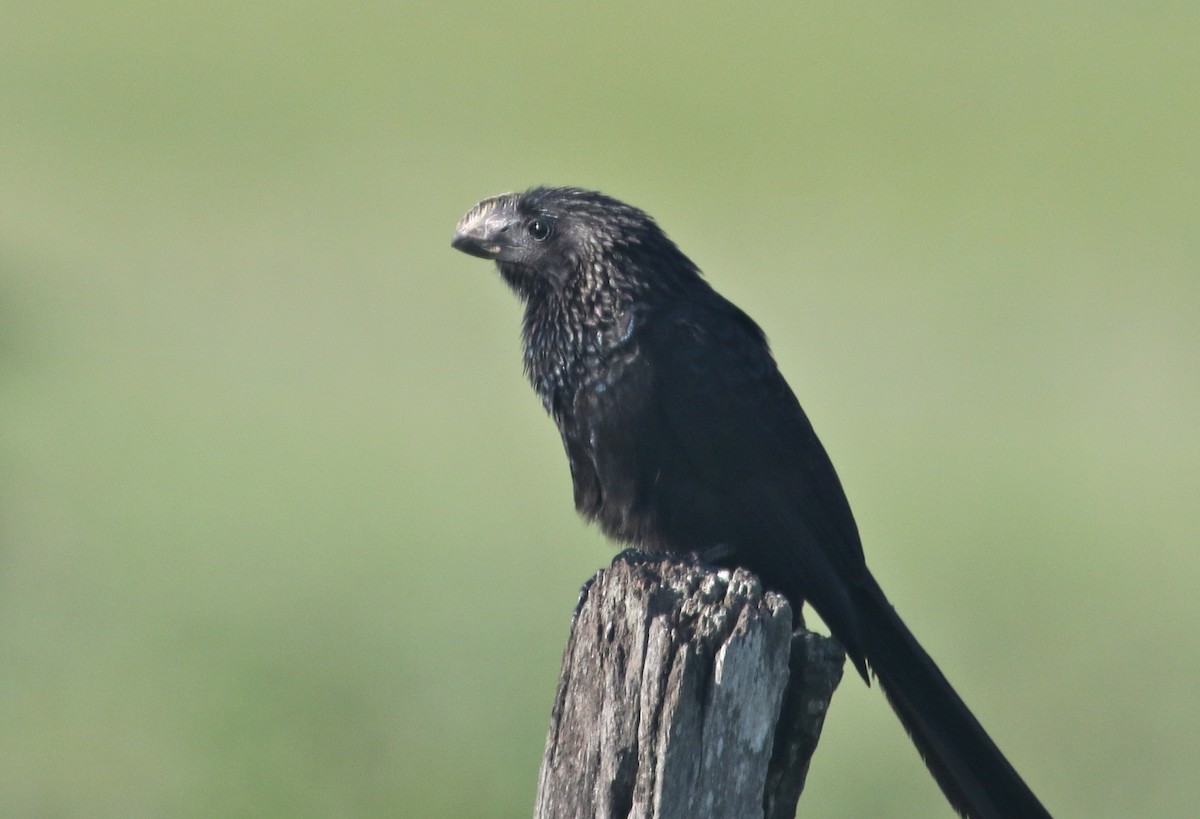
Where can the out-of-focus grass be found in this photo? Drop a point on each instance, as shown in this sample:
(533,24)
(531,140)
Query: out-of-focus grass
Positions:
(283,533)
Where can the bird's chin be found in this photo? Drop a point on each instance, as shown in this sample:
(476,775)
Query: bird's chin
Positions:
(519,278)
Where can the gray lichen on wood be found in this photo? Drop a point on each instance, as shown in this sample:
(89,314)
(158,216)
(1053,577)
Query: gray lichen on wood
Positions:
(671,690)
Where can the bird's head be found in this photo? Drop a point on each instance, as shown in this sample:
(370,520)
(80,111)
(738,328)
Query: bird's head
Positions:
(547,237)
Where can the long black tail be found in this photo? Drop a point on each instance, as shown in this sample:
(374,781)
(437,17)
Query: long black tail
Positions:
(976,778)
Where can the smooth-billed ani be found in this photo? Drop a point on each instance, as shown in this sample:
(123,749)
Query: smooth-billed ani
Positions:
(683,437)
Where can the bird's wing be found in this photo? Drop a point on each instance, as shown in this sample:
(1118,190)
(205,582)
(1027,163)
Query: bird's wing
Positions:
(732,423)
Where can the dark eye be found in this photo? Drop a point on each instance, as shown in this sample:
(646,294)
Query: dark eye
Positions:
(539,229)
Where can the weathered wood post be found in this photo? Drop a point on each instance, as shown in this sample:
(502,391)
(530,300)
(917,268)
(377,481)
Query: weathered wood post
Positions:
(683,694)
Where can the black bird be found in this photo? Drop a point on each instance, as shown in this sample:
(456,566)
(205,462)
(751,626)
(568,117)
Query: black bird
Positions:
(683,437)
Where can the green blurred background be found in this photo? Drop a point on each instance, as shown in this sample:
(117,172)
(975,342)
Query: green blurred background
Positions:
(284,533)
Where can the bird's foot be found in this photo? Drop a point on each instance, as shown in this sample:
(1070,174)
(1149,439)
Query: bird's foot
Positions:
(635,557)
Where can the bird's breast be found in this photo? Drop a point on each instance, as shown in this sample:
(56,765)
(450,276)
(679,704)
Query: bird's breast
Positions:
(578,356)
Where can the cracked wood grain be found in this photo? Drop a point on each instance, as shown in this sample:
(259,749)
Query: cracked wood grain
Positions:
(683,693)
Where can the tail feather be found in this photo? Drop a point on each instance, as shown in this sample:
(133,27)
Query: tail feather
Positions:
(972,772)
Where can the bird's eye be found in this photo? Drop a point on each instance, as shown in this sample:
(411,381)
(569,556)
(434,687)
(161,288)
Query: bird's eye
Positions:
(539,229)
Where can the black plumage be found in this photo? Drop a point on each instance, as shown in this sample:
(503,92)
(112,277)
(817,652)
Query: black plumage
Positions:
(683,437)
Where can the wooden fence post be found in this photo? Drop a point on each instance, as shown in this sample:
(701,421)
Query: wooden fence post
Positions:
(683,694)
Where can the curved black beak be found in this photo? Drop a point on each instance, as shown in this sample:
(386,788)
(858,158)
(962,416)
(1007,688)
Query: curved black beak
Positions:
(480,233)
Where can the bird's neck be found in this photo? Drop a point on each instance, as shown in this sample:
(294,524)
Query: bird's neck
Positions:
(570,335)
